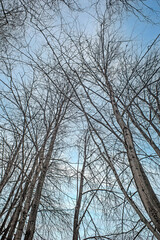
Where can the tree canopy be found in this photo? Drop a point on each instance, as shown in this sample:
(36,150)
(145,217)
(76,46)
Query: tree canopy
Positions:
(79,120)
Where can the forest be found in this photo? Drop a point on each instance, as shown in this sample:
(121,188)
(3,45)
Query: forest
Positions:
(79,120)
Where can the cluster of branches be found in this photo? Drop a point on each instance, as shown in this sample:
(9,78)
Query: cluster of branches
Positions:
(96,95)
(32,115)
(121,106)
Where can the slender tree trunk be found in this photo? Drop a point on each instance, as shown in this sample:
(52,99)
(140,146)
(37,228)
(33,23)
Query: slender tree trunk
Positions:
(28,200)
(79,198)
(10,165)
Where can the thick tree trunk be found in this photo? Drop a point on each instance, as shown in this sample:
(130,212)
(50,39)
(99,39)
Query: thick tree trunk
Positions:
(34,173)
(144,188)
(33,214)
(29,194)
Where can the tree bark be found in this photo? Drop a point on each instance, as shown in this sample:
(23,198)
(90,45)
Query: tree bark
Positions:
(144,188)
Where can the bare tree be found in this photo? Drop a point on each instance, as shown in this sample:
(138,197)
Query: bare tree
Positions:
(121,105)
(100,87)
(33,129)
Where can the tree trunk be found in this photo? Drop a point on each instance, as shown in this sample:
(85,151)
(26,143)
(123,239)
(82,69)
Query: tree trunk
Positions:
(144,188)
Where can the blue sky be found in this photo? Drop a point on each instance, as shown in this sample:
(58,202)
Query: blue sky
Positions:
(138,29)
(141,30)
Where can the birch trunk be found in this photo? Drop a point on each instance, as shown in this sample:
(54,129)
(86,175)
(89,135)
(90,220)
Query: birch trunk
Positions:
(33,214)
(79,200)
(144,188)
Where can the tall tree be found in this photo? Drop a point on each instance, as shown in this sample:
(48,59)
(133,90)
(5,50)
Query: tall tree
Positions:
(64,89)
(120,101)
